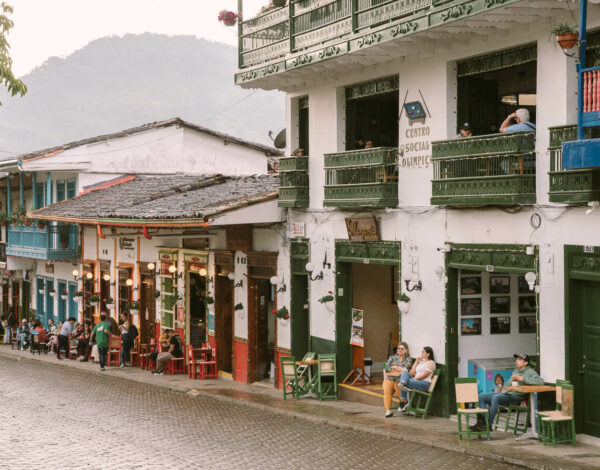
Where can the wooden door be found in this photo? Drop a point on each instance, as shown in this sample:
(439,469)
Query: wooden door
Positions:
(147,308)
(224,322)
(16,301)
(26,297)
(452,329)
(62,304)
(258,329)
(343,315)
(585,338)
(299,317)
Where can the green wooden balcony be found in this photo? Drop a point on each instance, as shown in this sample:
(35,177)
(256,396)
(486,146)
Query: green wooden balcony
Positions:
(495,169)
(362,178)
(54,242)
(293,183)
(306,32)
(571,186)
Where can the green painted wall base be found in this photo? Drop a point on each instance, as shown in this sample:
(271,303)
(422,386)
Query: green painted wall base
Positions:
(322,345)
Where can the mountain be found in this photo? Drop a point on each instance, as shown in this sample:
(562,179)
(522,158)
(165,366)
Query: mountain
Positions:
(115,83)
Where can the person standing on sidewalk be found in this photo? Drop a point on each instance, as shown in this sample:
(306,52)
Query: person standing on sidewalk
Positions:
(6,324)
(64,336)
(101,333)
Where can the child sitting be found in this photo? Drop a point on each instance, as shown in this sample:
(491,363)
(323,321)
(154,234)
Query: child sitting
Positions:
(499,381)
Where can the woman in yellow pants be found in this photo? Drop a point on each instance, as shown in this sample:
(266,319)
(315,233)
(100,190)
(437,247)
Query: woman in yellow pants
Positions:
(391,376)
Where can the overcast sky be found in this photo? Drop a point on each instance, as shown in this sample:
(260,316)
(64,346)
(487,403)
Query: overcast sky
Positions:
(46,28)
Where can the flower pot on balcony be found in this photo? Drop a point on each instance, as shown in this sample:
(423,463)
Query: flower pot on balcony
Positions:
(41,225)
(27,222)
(567,41)
(279,3)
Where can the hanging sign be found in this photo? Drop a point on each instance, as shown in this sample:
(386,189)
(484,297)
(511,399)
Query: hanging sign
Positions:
(180,314)
(362,229)
(211,322)
(357,332)
(298,229)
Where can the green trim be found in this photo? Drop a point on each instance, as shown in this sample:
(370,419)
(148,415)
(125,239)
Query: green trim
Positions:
(501,258)
(322,345)
(299,254)
(373,88)
(497,60)
(385,252)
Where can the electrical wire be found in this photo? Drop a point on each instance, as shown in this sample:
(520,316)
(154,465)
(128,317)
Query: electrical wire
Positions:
(228,108)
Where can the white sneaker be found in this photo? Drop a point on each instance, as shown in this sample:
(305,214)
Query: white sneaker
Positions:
(389,414)
(403,387)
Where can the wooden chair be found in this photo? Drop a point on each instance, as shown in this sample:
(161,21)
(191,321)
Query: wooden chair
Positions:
(466,393)
(37,345)
(420,401)
(559,425)
(208,365)
(177,364)
(192,365)
(113,355)
(289,375)
(144,355)
(327,377)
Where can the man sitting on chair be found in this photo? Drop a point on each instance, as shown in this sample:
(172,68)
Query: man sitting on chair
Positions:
(174,351)
(524,374)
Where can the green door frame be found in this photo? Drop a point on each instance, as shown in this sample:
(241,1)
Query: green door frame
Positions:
(497,258)
(346,253)
(580,264)
(300,341)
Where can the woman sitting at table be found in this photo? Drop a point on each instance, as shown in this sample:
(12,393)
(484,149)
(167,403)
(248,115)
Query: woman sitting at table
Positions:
(391,375)
(419,377)
(83,341)
(53,341)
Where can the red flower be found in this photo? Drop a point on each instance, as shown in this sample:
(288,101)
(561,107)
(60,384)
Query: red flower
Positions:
(330,292)
(286,316)
(274,311)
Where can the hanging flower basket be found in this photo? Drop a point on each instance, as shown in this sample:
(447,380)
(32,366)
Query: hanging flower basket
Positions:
(567,41)
(93,303)
(228,18)
(64,296)
(52,293)
(42,291)
(27,222)
(134,311)
(403,302)
(41,225)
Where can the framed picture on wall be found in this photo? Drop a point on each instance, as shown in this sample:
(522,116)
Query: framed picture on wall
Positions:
(469,307)
(527,304)
(527,324)
(500,325)
(470,285)
(523,286)
(470,326)
(500,304)
(499,284)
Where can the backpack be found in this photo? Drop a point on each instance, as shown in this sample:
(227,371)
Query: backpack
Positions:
(133,332)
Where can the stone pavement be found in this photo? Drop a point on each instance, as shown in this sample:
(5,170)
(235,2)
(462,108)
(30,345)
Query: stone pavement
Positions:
(145,426)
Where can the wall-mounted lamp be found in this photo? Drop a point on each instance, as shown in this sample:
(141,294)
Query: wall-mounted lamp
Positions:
(275,281)
(325,263)
(106,277)
(416,285)
(203,272)
(129,282)
(210,280)
(151,266)
(441,273)
(239,284)
(310,268)
(172,268)
(231,276)
(531,277)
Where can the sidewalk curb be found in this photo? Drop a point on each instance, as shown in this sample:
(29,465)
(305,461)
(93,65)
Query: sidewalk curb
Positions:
(396,435)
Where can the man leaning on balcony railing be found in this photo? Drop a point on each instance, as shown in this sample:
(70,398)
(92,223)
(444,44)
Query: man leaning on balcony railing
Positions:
(521,116)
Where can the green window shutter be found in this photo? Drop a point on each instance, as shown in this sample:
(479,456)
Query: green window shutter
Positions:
(40,189)
(71,188)
(60,190)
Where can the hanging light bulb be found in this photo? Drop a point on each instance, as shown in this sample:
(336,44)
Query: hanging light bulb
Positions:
(106,277)
(203,272)
(89,275)
(129,282)
(172,268)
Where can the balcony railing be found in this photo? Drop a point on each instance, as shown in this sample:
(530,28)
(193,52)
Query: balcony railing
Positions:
(56,241)
(571,186)
(293,183)
(494,169)
(320,29)
(362,178)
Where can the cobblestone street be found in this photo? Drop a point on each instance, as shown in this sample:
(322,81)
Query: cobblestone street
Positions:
(55,417)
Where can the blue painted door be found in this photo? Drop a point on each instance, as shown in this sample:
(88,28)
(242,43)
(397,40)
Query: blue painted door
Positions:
(49,300)
(73,306)
(39,301)
(62,304)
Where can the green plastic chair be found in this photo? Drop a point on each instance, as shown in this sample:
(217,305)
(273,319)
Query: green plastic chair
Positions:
(289,375)
(518,410)
(420,401)
(327,386)
(466,393)
(559,425)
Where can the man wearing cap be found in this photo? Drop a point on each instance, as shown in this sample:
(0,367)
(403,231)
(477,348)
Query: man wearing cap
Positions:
(524,374)
(23,333)
(465,131)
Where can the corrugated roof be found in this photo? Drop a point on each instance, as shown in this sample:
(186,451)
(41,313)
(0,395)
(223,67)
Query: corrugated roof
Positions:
(49,152)
(163,198)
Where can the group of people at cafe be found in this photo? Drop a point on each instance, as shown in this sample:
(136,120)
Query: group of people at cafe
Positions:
(402,373)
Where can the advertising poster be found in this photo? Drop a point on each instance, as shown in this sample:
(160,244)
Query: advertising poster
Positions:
(356,335)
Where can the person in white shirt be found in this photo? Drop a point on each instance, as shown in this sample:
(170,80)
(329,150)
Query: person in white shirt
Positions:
(419,377)
(63,337)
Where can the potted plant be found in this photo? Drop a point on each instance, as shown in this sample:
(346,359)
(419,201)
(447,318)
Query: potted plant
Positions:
(3,219)
(228,18)
(109,302)
(78,296)
(403,302)
(42,290)
(209,299)
(52,292)
(156,294)
(238,306)
(41,225)
(566,35)
(94,299)
(64,295)
(279,3)
(27,221)
(281,313)
(327,300)
(134,307)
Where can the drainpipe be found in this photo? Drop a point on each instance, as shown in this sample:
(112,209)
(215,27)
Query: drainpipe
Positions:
(99,232)
(146,234)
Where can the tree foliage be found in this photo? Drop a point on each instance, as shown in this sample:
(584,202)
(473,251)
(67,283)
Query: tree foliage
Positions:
(7,78)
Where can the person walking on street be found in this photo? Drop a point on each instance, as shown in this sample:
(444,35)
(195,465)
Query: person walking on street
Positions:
(101,333)
(64,337)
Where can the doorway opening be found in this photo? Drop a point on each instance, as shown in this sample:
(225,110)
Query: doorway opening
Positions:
(300,318)
(197,309)
(261,325)
(147,306)
(224,321)
(372,114)
(493,86)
